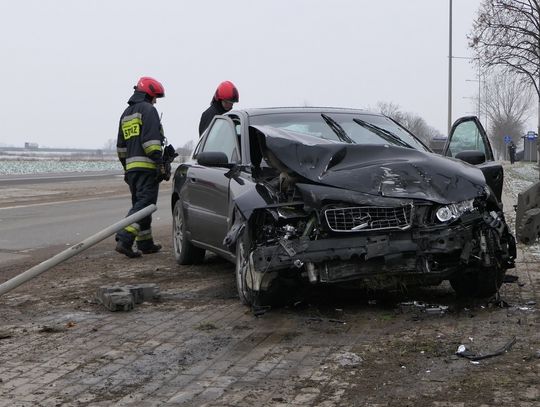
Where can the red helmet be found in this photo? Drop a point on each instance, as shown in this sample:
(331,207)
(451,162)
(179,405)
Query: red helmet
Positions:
(151,87)
(226,91)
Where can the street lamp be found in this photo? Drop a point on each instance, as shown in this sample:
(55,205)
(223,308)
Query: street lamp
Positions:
(450,70)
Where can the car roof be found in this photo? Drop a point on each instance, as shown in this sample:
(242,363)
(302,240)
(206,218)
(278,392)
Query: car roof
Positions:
(280,110)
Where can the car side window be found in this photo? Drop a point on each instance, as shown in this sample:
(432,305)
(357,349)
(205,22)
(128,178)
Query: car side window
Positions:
(222,138)
(466,137)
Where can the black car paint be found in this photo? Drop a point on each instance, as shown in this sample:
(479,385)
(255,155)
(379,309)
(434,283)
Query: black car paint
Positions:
(330,171)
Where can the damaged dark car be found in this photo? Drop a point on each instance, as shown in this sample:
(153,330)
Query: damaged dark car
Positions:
(342,196)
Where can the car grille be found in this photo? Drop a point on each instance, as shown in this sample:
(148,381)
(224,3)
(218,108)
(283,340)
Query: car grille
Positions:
(364,218)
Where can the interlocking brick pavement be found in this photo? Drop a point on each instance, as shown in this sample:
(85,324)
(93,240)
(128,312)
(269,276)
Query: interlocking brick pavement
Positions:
(199,346)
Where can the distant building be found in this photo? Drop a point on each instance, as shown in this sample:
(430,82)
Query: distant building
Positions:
(31,146)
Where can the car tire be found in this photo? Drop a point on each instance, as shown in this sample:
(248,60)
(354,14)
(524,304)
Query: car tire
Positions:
(242,269)
(274,293)
(184,251)
(477,283)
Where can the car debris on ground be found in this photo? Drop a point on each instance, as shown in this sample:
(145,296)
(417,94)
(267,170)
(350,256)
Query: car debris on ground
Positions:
(464,352)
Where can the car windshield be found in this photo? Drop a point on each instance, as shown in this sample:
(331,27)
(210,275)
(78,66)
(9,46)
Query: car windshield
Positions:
(323,125)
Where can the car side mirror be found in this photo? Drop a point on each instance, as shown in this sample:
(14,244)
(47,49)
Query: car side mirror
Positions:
(473,157)
(213,159)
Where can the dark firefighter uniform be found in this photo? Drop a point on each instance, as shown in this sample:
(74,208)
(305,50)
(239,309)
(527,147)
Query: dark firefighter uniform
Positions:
(215,109)
(139,146)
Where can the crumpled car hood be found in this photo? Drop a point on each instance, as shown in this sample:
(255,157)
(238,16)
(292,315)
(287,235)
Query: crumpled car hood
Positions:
(382,170)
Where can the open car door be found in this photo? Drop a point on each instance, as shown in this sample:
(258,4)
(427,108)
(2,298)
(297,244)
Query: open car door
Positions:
(468,141)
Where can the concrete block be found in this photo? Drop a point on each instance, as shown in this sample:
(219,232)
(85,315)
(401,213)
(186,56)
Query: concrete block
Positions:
(527,218)
(124,298)
(115,298)
(144,292)
(528,229)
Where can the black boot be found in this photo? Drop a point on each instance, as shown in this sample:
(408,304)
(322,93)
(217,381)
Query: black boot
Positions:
(126,249)
(154,248)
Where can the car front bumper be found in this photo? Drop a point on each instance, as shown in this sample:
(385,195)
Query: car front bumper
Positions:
(431,254)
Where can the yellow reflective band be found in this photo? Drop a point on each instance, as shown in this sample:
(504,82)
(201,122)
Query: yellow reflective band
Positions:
(141,164)
(142,238)
(131,128)
(131,229)
(151,148)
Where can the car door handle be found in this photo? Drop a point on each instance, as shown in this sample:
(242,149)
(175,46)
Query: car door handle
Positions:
(192,180)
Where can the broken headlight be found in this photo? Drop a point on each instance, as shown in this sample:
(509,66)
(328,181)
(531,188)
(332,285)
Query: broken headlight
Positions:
(449,212)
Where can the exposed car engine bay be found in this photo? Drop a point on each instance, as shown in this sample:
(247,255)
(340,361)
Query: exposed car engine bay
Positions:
(334,213)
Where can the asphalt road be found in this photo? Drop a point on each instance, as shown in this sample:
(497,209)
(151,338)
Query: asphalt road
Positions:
(21,179)
(64,218)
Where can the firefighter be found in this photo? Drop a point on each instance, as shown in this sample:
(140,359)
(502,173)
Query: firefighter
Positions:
(224,98)
(139,146)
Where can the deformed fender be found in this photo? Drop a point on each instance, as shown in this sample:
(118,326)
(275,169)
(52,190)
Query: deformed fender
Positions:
(235,232)
(259,197)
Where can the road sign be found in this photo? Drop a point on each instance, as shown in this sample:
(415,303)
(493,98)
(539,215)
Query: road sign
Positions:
(507,139)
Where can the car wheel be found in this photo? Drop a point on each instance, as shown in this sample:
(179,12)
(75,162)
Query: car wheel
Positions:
(273,293)
(184,251)
(477,283)
(243,270)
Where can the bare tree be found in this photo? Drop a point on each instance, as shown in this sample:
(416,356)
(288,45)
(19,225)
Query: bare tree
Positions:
(507,105)
(185,151)
(189,146)
(506,33)
(411,121)
(391,110)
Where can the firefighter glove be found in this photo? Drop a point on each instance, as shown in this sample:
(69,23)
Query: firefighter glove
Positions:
(163,172)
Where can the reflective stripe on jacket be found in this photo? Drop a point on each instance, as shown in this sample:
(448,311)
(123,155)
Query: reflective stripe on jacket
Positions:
(140,135)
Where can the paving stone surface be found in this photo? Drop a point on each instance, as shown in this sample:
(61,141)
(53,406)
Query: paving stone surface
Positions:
(198,346)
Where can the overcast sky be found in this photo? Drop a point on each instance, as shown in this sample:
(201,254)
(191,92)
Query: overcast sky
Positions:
(68,67)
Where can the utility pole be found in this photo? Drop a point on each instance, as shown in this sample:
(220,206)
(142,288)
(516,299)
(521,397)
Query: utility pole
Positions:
(450,72)
(479,93)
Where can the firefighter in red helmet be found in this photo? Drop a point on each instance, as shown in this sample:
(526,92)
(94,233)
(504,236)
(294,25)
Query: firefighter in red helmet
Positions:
(140,150)
(224,98)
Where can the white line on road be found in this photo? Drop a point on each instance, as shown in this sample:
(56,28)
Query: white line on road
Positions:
(61,202)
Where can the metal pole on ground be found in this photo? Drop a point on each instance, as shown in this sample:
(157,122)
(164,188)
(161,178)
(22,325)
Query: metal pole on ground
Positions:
(73,250)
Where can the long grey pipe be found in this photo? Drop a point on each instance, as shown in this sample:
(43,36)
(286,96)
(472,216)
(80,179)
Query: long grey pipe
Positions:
(73,250)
